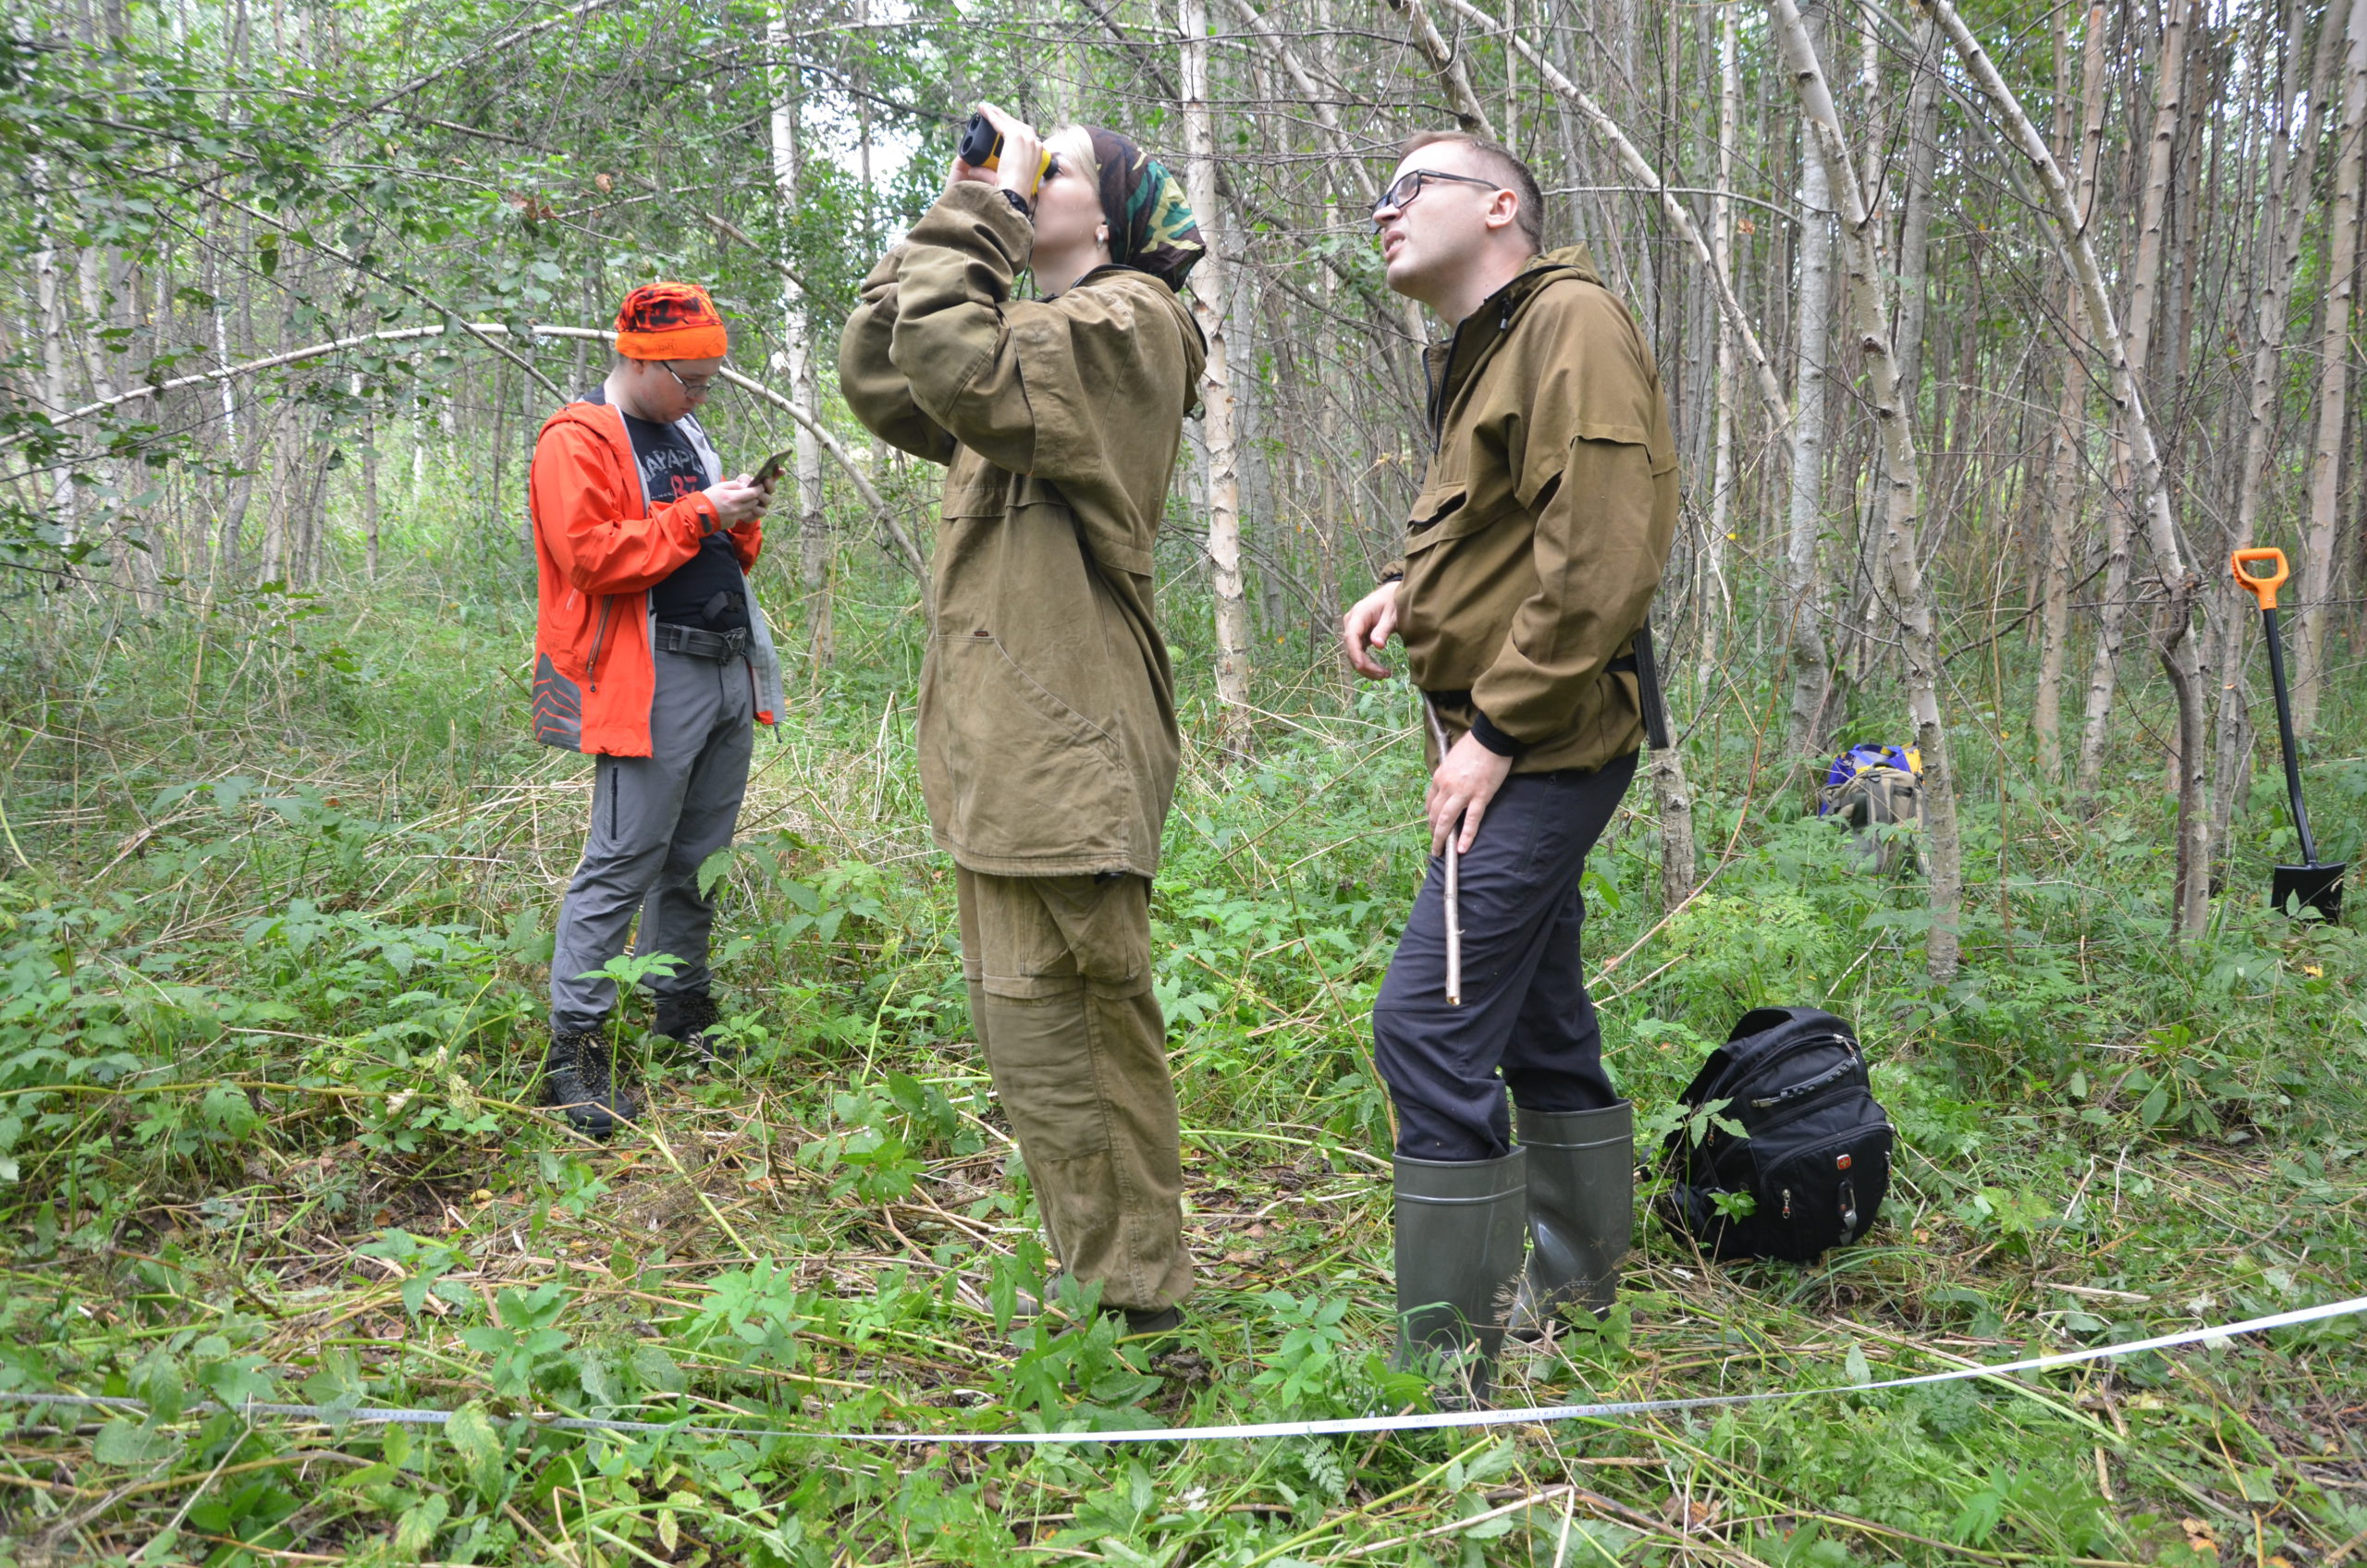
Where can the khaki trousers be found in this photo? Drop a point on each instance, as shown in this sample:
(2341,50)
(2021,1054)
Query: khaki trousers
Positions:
(1060,980)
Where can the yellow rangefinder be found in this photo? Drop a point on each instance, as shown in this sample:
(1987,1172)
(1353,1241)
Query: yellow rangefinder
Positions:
(982,148)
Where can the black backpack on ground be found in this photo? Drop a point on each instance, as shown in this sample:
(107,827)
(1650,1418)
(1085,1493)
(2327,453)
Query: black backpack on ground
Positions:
(1815,1159)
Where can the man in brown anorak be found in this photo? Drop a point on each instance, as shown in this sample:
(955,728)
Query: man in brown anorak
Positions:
(1046,729)
(1531,557)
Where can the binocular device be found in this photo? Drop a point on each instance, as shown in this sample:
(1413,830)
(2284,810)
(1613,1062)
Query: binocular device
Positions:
(982,148)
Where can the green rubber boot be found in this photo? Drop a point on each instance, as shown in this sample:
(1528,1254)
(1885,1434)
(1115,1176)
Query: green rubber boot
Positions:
(1459,1244)
(1581,1211)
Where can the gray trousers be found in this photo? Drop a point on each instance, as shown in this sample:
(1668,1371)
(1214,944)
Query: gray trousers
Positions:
(654,820)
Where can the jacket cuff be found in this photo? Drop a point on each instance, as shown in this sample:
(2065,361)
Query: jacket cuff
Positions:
(1393,572)
(1484,730)
(978,200)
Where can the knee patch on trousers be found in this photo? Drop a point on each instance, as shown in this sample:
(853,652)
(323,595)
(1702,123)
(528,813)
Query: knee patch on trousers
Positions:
(1041,1054)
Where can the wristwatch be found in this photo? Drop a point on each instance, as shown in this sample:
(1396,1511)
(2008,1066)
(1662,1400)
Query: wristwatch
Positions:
(1019,203)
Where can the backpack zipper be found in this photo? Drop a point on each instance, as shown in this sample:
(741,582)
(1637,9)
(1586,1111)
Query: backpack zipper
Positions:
(1798,1090)
(1783,1053)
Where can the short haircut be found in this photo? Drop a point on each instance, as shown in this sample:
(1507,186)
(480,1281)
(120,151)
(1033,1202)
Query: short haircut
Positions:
(1499,161)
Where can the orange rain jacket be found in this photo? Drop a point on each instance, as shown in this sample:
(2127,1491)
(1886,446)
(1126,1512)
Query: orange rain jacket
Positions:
(599,550)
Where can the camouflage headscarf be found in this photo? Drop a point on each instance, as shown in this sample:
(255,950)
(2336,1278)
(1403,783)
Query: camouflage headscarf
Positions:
(1151,227)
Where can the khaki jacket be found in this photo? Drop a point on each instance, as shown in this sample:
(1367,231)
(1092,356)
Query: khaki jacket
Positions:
(1538,539)
(1048,737)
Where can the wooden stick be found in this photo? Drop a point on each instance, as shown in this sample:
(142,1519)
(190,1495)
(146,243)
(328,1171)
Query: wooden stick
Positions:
(1453,879)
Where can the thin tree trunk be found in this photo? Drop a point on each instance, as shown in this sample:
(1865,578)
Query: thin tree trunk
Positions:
(1208,299)
(2070,448)
(49,305)
(2289,185)
(797,354)
(1716,603)
(2179,651)
(1811,334)
(1641,170)
(2316,577)
(2169,79)
(1868,291)
(370,496)
(1673,804)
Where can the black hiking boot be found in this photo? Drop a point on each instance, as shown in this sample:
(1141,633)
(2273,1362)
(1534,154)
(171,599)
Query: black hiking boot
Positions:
(691,1020)
(577,1077)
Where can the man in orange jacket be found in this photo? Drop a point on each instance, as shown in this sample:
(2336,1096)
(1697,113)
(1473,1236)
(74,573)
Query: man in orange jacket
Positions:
(651,656)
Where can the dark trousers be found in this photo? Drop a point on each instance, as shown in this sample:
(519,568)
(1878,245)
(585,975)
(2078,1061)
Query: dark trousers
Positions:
(1524,1021)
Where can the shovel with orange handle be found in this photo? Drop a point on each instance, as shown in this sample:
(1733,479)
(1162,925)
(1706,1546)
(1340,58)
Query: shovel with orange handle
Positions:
(2309,885)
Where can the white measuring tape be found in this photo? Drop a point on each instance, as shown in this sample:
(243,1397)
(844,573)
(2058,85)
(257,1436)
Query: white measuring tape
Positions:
(1531,1416)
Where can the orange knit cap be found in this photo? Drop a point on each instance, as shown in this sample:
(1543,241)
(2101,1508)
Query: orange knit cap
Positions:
(670,321)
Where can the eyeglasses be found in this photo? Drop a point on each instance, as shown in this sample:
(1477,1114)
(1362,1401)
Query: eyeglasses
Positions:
(1407,186)
(691,389)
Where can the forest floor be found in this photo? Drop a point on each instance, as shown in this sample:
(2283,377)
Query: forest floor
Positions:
(278,903)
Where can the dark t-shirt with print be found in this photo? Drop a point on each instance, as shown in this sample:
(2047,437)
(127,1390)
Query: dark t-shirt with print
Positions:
(705,591)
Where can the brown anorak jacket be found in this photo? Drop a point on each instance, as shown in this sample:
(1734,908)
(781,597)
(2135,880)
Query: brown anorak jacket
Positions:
(1536,544)
(1047,734)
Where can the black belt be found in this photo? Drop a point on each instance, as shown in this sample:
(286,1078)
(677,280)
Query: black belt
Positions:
(1461,697)
(1638,664)
(719,646)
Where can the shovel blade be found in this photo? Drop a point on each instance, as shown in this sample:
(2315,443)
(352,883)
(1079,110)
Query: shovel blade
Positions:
(2318,887)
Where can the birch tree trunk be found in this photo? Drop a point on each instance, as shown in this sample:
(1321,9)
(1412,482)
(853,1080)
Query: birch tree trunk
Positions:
(1680,218)
(1811,334)
(2145,277)
(1869,315)
(2316,584)
(370,496)
(2180,652)
(813,552)
(2289,185)
(2063,512)
(1208,303)
(49,307)
(1716,603)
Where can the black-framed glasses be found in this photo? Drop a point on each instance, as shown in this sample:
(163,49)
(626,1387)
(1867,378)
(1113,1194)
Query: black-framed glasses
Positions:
(1407,186)
(691,389)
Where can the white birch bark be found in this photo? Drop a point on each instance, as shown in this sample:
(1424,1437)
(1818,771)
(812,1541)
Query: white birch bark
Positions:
(1208,303)
(2292,169)
(1870,315)
(1716,601)
(797,363)
(2180,654)
(1804,508)
(49,306)
(2316,574)
(2063,512)
(1640,168)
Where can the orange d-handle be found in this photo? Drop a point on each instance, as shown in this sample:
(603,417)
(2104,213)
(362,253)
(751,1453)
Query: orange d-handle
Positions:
(2261,588)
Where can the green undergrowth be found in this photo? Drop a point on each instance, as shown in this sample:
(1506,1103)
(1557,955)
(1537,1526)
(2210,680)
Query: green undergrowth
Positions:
(278,895)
